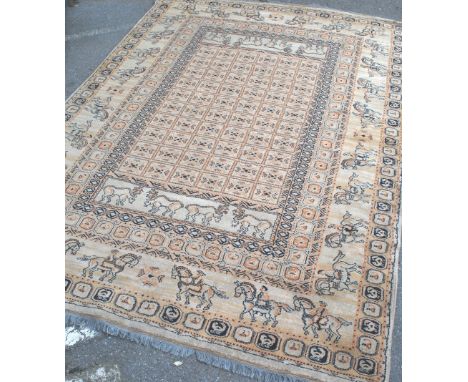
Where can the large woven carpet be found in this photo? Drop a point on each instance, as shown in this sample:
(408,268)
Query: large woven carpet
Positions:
(233,175)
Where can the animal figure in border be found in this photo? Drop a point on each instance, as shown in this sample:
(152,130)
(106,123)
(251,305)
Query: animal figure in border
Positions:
(339,278)
(356,191)
(360,158)
(72,246)
(347,231)
(374,67)
(207,213)
(368,116)
(246,221)
(316,318)
(77,135)
(371,90)
(110,266)
(160,203)
(122,195)
(99,108)
(259,303)
(194,286)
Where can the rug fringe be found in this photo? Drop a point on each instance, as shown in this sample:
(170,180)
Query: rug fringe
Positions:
(235,367)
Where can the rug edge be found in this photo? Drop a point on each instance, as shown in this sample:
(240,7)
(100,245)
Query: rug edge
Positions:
(395,289)
(318,7)
(236,367)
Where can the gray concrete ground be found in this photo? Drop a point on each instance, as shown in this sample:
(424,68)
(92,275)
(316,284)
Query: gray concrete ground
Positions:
(93,28)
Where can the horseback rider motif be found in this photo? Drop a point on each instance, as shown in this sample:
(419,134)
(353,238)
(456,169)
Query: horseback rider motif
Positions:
(356,191)
(99,108)
(360,158)
(368,116)
(318,318)
(77,136)
(263,298)
(347,231)
(339,278)
(193,285)
(110,266)
(371,90)
(259,303)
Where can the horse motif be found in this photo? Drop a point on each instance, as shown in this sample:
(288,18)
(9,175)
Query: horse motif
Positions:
(339,278)
(72,246)
(377,49)
(371,91)
(297,20)
(190,285)
(373,67)
(250,14)
(207,213)
(77,135)
(110,266)
(122,195)
(368,116)
(142,54)
(371,30)
(338,26)
(162,202)
(155,37)
(260,303)
(215,9)
(359,158)
(317,318)
(247,221)
(125,75)
(356,191)
(348,231)
(98,108)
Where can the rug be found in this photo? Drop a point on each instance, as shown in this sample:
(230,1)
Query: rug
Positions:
(233,187)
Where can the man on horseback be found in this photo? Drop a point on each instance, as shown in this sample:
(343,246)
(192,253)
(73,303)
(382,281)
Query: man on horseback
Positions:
(111,260)
(321,312)
(196,282)
(263,298)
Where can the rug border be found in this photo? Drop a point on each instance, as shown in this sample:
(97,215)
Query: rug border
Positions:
(311,6)
(394,290)
(211,358)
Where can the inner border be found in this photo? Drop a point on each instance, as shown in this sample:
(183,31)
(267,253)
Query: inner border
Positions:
(289,199)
